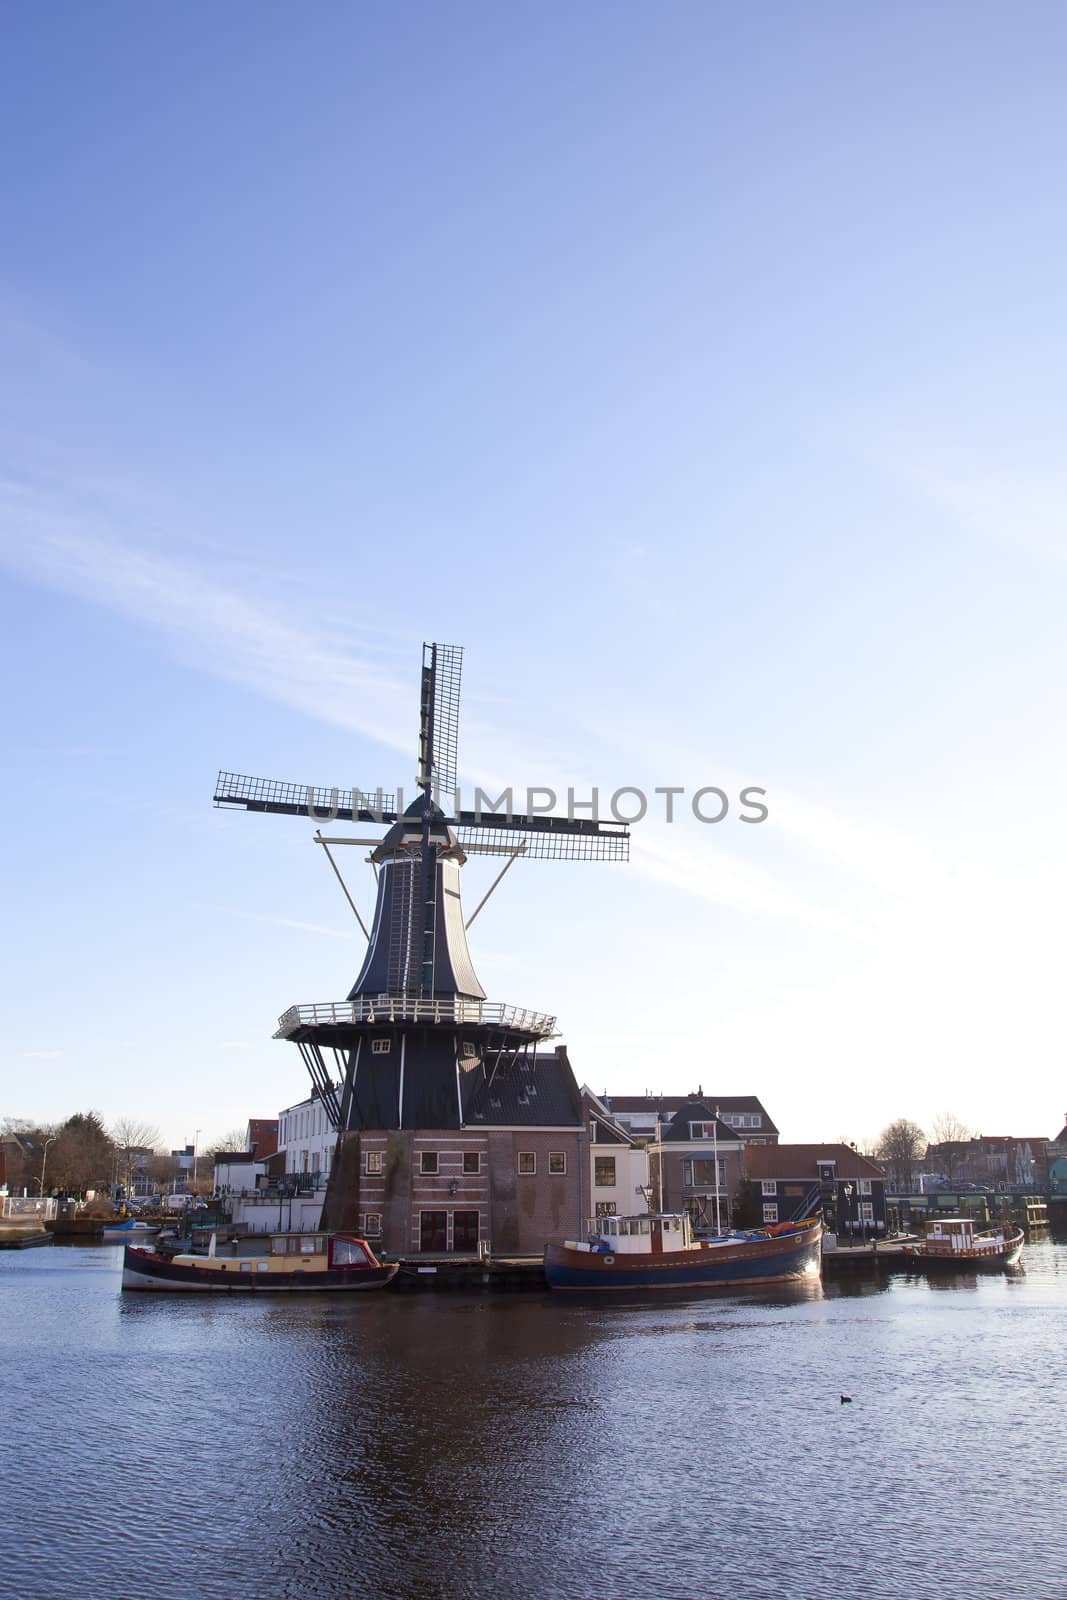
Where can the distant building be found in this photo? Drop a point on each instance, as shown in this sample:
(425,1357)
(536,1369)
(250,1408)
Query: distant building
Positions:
(791,1181)
(743,1114)
(238,1172)
(261,1137)
(991,1161)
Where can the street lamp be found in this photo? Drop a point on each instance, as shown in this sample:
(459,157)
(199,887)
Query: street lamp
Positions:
(44,1159)
(846,1190)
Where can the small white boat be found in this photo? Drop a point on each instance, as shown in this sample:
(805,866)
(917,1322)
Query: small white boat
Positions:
(128,1232)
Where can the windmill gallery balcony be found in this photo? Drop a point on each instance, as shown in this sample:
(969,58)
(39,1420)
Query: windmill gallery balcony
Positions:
(446,1011)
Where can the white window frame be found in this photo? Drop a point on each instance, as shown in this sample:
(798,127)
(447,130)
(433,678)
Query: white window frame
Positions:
(768,1186)
(429,1155)
(373,1163)
(602,1183)
(866,1210)
(472,1171)
(770,1213)
(865,1186)
(561,1170)
(380,1047)
(372,1227)
(529,1171)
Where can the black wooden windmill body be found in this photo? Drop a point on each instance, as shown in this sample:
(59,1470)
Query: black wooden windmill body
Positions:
(416,1044)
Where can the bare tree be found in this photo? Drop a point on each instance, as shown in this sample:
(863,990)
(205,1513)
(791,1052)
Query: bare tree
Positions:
(949,1137)
(135,1144)
(233,1140)
(901,1147)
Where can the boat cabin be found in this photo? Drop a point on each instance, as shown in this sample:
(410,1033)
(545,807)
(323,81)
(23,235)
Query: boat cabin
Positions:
(291,1252)
(644,1235)
(958,1236)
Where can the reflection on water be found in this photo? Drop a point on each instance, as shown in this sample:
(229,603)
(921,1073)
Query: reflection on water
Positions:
(533,1446)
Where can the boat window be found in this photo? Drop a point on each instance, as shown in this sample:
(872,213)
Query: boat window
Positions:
(348,1253)
(644,1225)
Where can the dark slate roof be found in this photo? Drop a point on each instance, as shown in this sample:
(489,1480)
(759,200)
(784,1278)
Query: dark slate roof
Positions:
(665,1105)
(530,1090)
(784,1161)
(1061,1137)
(696,1111)
(224,1158)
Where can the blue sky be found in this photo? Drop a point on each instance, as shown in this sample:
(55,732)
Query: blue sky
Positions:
(700,369)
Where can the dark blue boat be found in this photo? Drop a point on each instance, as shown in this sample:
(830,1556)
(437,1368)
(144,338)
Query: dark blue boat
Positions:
(659,1252)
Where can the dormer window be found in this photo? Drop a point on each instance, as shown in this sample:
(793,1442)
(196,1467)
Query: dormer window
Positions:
(701,1130)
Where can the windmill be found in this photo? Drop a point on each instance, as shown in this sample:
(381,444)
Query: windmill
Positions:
(416,1043)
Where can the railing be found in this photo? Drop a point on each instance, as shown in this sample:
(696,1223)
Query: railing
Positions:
(14,1205)
(388,1008)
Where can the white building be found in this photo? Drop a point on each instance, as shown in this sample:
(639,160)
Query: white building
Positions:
(307,1139)
(618,1166)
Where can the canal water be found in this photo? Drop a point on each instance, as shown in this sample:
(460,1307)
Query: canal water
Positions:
(527,1446)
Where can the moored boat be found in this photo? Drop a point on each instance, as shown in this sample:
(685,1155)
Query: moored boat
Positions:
(128,1232)
(958,1242)
(294,1263)
(659,1251)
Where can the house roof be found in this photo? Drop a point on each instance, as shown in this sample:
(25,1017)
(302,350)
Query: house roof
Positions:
(665,1105)
(533,1090)
(696,1111)
(802,1161)
(231,1158)
(1061,1137)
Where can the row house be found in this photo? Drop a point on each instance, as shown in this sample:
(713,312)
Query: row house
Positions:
(618,1164)
(695,1165)
(791,1181)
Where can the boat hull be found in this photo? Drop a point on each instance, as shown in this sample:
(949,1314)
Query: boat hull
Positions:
(143,1269)
(777,1259)
(970,1260)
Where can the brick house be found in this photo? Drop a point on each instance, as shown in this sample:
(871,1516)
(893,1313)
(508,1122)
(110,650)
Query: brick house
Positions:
(695,1166)
(506,1175)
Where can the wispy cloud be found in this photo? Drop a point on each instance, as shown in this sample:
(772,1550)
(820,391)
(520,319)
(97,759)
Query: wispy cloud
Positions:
(205,620)
(1022,503)
(88,542)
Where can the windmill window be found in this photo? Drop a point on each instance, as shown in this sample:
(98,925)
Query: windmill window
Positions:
(428,1162)
(380,1047)
(557,1162)
(470,1050)
(373,1162)
(527,1163)
(374,1225)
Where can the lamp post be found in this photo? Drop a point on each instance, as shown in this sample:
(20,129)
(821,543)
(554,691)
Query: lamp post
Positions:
(44,1159)
(846,1190)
